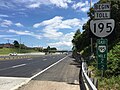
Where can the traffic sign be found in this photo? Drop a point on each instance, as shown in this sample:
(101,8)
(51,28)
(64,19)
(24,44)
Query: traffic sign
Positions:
(102,49)
(102,7)
(102,66)
(102,53)
(102,28)
(102,15)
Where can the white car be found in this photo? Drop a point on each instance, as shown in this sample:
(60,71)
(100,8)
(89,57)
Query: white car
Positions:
(13,54)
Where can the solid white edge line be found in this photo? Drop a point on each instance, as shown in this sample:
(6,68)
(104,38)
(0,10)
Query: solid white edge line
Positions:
(28,80)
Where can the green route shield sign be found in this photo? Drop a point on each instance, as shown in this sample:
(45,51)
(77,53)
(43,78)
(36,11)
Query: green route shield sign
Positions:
(102,53)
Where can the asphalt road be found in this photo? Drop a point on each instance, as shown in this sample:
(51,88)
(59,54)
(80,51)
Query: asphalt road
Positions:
(66,71)
(62,76)
(27,67)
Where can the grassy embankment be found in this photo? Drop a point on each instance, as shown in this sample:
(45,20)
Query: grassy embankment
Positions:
(5,51)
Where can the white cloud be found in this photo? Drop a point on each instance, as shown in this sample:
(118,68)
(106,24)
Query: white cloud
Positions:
(37,3)
(64,41)
(10,39)
(19,25)
(6,23)
(82,6)
(2,15)
(52,34)
(25,33)
(58,23)
(60,3)
(34,5)
(6,4)
(67,37)
(85,9)
(4,36)
(53,21)
(78,5)
(51,27)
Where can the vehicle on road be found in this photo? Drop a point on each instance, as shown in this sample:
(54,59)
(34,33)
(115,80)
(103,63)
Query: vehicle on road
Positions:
(13,54)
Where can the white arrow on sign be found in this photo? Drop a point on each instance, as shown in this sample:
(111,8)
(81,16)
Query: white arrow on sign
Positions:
(102,28)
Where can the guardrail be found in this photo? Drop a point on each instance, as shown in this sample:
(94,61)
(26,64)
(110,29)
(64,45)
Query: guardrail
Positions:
(87,81)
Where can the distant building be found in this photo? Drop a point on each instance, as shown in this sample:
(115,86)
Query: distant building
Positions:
(1,45)
(7,45)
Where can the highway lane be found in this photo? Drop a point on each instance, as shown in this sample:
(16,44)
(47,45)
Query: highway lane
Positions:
(61,76)
(27,67)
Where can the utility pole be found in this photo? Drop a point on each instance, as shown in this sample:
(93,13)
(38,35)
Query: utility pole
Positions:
(20,45)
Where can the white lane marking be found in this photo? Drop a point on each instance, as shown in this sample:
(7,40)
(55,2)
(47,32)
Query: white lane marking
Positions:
(18,65)
(13,67)
(5,68)
(44,59)
(29,59)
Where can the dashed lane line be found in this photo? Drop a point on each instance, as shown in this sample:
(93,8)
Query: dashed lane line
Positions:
(13,67)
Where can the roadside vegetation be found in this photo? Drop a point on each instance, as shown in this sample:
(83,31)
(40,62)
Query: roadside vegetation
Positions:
(81,43)
(21,48)
(5,51)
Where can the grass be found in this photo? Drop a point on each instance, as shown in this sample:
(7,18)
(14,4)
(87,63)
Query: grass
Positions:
(112,83)
(4,51)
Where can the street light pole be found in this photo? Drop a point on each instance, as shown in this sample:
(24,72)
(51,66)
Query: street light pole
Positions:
(20,45)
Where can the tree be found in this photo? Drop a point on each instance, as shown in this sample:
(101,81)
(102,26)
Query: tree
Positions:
(53,48)
(16,44)
(76,39)
(114,61)
(48,48)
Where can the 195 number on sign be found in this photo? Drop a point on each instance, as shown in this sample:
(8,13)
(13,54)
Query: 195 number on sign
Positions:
(102,28)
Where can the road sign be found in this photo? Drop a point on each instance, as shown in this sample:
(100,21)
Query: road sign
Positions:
(102,7)
(102,28)
(102,49)
(102,15)
(102,53)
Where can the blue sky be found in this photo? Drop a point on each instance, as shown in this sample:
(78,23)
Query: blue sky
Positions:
(42,22)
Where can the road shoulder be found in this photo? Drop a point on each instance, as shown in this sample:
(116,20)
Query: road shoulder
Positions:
(62,76)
